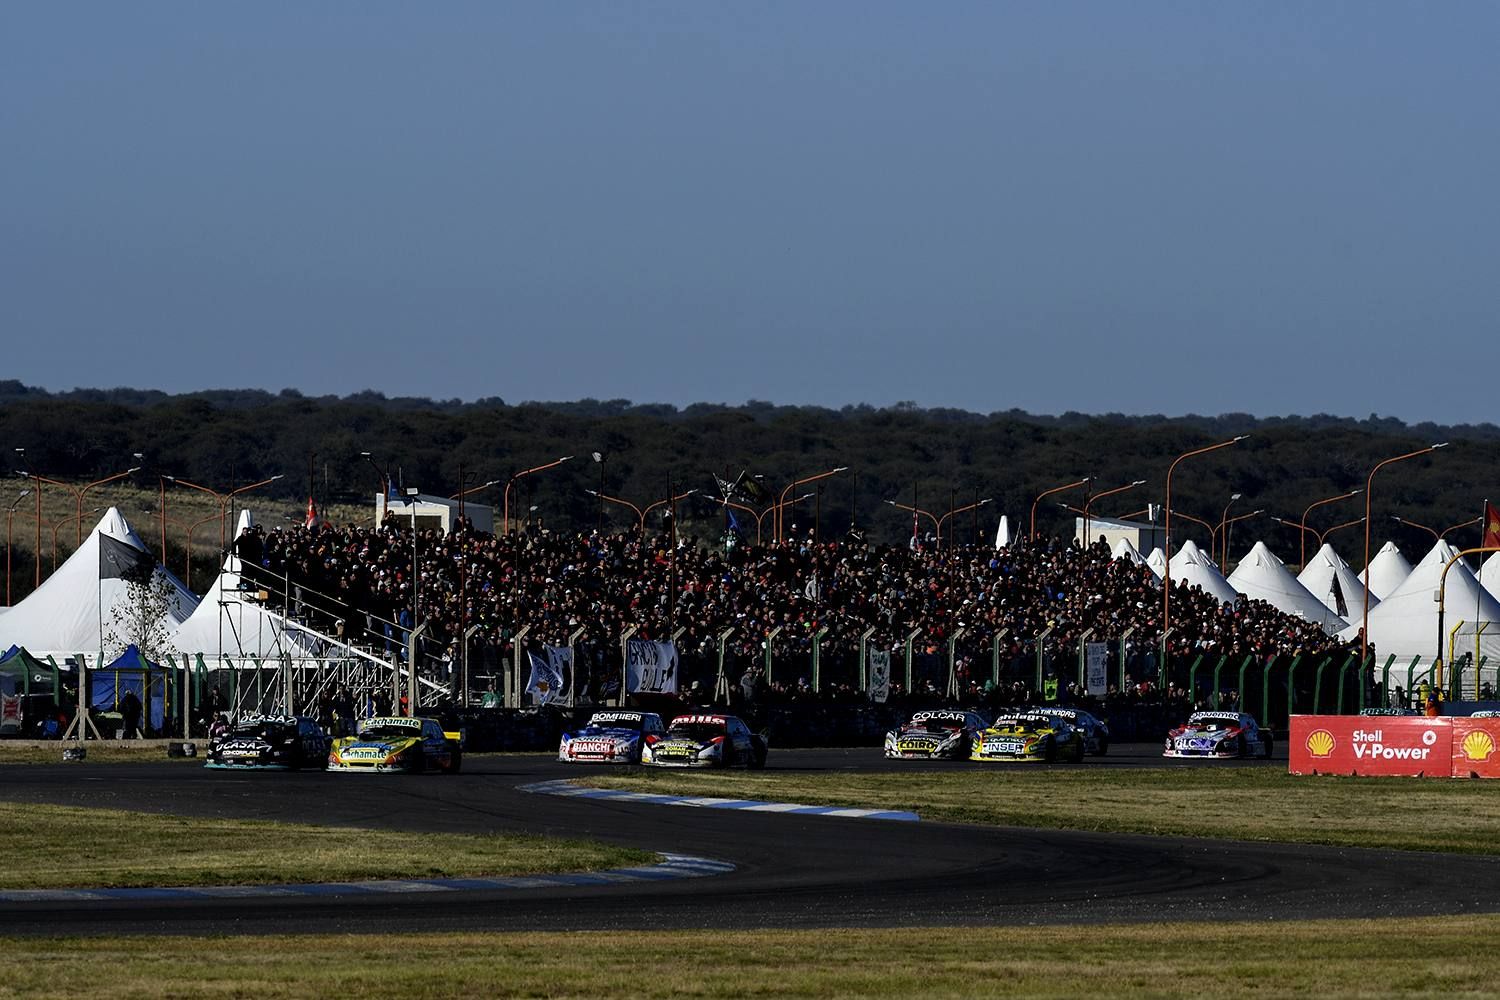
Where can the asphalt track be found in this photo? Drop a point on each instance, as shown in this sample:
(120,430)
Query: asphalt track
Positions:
(790,871)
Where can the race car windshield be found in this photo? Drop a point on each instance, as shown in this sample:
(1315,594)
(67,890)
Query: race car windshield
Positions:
(615,723)
(262,730)
(941,725)
(701,732)
(386,733)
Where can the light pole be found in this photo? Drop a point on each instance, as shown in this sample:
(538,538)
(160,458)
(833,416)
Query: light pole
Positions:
(1089,502)
(778,521)
(1225,526)
(1223,533)
(760,516)
(223,500)
(1319,503)
(958,510)
(1047,493)
(598,457)
(1166,590)
(78,492)
(915,510)
(1364,628)
(1347,524)
(411,501)
(640,514)
(9,516)
(510,482)
(1437,536)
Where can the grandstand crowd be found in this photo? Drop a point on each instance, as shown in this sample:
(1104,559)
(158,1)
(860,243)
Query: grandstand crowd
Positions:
(357,582)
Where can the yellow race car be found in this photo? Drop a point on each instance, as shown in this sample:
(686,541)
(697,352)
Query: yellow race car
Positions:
(397,744)
(1028,736)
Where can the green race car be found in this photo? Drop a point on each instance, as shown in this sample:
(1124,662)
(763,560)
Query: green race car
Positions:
(1028,736)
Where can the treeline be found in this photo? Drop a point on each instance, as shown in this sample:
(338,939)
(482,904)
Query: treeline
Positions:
(938,458)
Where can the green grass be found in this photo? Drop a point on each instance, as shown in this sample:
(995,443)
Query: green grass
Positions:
(1435,956)
(46,847)
(1229,803)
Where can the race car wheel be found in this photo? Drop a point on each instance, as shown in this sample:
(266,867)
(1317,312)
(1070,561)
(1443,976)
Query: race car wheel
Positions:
(1078,753)
(455,762)
(419,764)
(1103,747)
(726,755)
(1265,747)
(757,759)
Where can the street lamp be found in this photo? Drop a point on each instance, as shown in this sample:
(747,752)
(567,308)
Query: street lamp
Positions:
(640,513)
(527,472)
(224,499)
(781,500)
(1166,595)
(78,493)
(1437,536)
(1364,628)
(1089,502)
(1319,503)
(1222,534)
(9,516)
(915,510)
(760,516)
(1347,524)
(1047,493)
(1225,526)
(598,458)
(958,510)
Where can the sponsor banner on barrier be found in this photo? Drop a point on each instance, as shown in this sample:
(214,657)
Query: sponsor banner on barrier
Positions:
(1351,744)
(1476,748)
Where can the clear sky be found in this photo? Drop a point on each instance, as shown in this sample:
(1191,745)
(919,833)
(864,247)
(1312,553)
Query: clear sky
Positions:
(1145,207)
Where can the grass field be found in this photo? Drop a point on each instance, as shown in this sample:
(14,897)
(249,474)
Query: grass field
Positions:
(1228,803)
(1442,956)
(150,850)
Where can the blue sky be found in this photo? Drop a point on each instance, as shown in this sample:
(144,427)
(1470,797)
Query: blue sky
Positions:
(1141,207)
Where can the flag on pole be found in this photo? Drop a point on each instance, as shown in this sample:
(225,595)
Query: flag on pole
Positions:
(122,561)
(1340,606)
(313,520)
(1491,526)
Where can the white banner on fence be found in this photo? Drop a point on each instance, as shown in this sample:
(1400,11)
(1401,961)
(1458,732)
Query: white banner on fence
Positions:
(880,675)
(1097,661)
(650,667)
(549,673)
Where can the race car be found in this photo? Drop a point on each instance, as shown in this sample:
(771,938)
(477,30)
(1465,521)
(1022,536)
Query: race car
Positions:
(613,737)
(943,733)
(270,743)
(397,743)
(1218,734)
(1028,736)
(705,741)
(1095,732)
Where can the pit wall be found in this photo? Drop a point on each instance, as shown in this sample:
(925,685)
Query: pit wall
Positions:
(1395,746)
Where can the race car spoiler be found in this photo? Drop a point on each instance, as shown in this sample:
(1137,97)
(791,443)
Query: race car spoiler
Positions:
(1214,717)
(940,715)
(603,717)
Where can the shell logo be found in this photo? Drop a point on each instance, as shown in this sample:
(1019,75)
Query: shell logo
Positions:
(1320,743)
(1478,745)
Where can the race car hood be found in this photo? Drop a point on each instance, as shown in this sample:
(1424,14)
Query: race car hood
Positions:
(603,733)
(355,748)
(1016,731)
(1195,736)
(242,745)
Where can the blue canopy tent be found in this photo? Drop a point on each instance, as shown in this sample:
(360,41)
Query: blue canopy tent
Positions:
(131,671)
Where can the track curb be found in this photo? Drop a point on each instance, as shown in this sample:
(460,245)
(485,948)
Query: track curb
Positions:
(565,788)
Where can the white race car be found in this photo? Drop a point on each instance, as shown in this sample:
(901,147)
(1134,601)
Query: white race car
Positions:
(613,737)
(1218,734)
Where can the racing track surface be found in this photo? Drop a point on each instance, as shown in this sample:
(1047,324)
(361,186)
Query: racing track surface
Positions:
(791,871)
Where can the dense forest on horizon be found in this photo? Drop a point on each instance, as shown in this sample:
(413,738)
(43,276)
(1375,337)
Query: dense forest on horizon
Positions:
(939,458)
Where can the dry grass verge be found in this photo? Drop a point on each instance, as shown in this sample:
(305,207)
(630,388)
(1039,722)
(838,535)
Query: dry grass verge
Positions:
(1441,956)
(114,848)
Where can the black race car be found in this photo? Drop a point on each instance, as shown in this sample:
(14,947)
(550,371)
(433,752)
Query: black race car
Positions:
(270,743)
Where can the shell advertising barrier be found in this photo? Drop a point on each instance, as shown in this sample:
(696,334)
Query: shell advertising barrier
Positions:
(1399,746)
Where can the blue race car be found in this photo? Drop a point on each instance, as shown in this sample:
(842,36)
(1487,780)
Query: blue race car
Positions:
(612,737)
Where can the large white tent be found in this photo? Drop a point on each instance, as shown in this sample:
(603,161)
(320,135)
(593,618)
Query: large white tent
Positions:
(1319,576)
(226,623)
(1157,560)
(1260,576)
(1192,567)
(73,606)
(1489,575)
(1386,571)
(1002,533)
(1406,621)
(1125,549)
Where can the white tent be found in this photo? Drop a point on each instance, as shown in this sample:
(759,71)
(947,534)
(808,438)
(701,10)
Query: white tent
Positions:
(1192,567)
(1157,560)
(1002,533)
(1489,575)
(226,623)
(1125,549)
(1386,571)
(1260,576)
(64,615)
(1406,622)
(1318,577)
